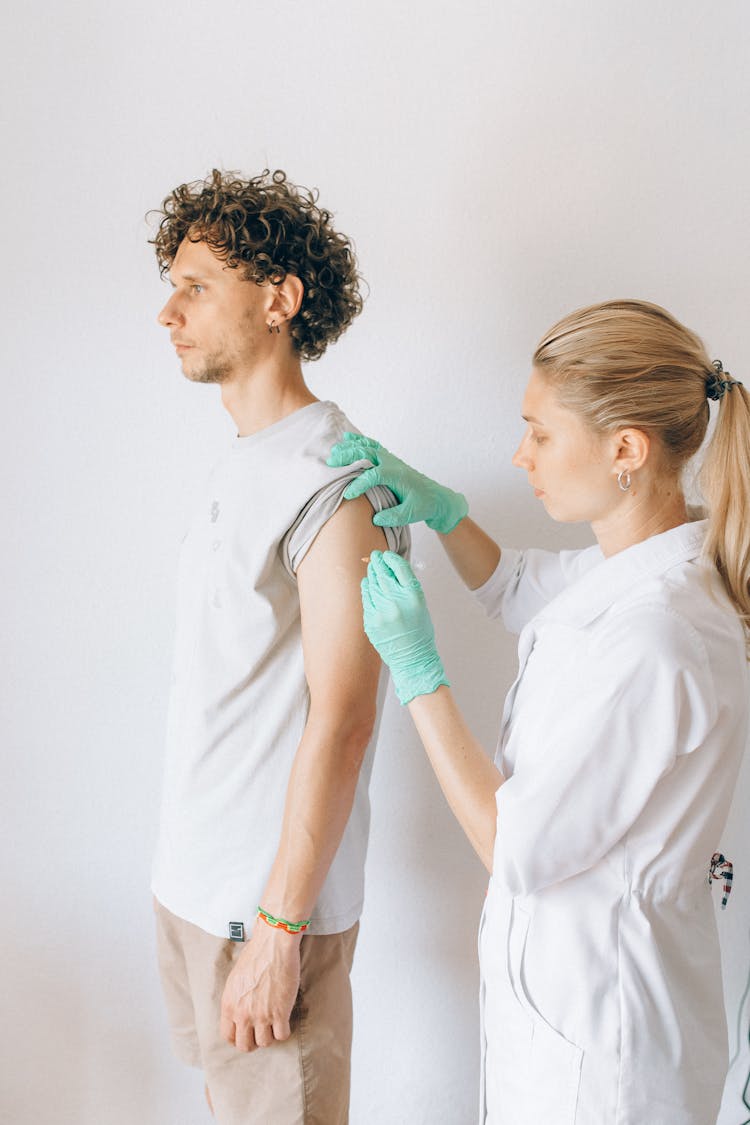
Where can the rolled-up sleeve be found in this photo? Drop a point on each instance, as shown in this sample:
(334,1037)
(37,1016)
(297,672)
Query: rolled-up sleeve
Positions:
(635,697)
(324,504)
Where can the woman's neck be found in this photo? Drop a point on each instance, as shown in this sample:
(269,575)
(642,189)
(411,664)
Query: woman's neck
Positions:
(640,515)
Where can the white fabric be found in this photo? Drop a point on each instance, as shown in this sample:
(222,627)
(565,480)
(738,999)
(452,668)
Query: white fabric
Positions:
(621,741)
(239,698)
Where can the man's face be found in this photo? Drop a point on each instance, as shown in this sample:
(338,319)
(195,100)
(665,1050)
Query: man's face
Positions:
(216,319)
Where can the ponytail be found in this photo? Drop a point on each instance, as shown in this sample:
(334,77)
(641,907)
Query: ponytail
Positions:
(725,484)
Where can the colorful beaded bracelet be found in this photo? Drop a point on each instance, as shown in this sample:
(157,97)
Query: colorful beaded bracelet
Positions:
(282,924)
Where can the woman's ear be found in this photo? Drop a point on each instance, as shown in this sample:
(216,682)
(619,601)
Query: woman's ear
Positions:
(631,450)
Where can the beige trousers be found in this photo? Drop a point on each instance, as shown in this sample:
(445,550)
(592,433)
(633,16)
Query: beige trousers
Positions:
(303,1081)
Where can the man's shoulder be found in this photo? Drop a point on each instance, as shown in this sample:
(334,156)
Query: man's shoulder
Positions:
(323,427)
(323,485)
(309,448)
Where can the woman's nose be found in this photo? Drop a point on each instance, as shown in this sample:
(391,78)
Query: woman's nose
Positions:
(521,458)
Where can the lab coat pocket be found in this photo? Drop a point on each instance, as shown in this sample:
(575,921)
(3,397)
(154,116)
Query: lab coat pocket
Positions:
(482,1026)
(554,1062)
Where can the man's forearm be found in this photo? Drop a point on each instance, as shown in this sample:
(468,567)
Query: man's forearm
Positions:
(319,800)
(261,989)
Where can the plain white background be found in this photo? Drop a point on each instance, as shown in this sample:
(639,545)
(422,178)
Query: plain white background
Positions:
(498,164)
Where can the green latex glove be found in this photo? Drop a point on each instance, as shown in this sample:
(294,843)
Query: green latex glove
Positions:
(399,626)
(419,497)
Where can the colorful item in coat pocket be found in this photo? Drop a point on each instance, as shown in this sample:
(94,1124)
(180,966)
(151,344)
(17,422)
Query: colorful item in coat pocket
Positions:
(721,868)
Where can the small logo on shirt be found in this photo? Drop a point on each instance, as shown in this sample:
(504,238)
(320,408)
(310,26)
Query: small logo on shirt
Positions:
(215,511)
(236,931)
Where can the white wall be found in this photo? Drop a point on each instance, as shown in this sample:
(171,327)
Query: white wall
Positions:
(498,163)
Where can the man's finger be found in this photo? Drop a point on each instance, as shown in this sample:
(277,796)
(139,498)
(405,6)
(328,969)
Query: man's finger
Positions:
(263,1035)
(227,1029)
(244,1039)
(281,1029)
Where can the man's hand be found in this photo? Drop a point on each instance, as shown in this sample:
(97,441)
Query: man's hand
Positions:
(261,990)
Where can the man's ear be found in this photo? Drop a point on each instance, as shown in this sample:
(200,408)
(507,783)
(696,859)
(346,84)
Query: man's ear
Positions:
(287,298)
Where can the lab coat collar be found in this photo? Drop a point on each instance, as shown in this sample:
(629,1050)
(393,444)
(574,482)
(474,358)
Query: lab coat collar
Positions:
(598,589)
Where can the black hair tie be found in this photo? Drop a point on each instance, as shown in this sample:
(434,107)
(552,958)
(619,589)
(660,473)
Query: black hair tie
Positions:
(719,382)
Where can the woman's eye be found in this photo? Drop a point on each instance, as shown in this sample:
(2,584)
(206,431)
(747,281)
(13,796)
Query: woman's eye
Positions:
(538,439)
(197,288)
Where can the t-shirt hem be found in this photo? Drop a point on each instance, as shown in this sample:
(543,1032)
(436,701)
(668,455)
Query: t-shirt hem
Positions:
(336,923)
(322,925)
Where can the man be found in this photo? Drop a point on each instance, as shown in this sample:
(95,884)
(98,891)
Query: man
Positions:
(258,876)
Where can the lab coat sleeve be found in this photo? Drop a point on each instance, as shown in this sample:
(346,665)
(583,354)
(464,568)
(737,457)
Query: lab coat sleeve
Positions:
(622,712)
(524,582)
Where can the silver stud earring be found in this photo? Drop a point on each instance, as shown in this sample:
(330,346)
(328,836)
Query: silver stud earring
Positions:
(623,480)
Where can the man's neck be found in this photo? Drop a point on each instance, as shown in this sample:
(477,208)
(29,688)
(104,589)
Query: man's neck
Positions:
(260,397)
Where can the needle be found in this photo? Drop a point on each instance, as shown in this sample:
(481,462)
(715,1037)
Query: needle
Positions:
(414,565)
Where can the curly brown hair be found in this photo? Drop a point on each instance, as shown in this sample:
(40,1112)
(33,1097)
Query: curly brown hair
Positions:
(268,228)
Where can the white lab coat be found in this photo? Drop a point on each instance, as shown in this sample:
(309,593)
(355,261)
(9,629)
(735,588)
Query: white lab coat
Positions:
(601,990)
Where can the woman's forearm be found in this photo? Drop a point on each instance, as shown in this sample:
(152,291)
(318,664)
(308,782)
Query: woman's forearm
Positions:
(474,553)
(468,777)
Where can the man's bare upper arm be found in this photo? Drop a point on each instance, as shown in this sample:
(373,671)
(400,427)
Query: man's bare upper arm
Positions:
(340,664)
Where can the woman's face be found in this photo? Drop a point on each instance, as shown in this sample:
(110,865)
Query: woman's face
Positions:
(569,467)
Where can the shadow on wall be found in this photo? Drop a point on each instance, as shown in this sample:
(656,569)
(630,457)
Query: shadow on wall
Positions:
(45,1048)
(82,1038)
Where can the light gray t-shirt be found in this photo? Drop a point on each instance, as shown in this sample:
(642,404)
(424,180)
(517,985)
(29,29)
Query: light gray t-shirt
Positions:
(239,698)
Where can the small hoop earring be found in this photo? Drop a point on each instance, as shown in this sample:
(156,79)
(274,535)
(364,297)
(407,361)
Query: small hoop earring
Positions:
(623,480)
(273,327)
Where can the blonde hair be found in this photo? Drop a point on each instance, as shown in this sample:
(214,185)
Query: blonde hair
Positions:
(629,363)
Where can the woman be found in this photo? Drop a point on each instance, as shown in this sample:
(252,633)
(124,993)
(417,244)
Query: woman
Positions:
(622,735)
